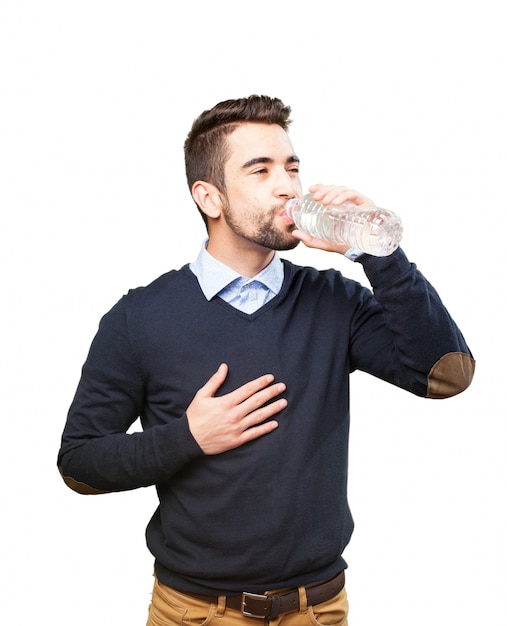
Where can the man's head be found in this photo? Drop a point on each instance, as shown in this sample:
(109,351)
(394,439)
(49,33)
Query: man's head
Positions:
(206,146)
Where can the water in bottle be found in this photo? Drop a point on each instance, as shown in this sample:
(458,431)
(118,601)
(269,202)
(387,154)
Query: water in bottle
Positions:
(372,230)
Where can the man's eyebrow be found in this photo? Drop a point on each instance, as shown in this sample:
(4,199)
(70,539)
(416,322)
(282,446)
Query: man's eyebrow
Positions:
(257,160)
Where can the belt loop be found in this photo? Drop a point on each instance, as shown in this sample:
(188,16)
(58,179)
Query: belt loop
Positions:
(303,602)
(221,606)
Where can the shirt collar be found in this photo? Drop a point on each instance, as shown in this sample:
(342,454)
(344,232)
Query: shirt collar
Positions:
(213,276)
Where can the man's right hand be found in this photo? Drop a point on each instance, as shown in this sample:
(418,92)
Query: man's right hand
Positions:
(226,422)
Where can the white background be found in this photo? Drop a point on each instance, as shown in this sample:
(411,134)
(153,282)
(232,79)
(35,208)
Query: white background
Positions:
(403,101)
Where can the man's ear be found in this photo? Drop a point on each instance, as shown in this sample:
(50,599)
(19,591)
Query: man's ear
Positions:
(207,197)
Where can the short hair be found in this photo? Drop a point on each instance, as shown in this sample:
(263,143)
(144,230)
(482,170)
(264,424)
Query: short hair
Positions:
(206,144)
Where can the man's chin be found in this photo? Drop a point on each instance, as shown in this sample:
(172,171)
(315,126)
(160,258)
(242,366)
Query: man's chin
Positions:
(288,245)
(276,239)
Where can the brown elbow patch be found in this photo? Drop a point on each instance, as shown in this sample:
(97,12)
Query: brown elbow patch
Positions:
(81,488)
(450,375)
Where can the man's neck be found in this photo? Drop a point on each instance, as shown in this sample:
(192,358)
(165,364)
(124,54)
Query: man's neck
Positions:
(247,260)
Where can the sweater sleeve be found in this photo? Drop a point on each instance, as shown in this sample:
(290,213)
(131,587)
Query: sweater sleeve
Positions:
(97,455)
(414,343)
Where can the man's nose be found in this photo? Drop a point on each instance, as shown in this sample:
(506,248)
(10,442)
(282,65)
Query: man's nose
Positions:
(286,186)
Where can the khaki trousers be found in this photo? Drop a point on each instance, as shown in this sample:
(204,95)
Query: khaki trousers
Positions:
(173,608)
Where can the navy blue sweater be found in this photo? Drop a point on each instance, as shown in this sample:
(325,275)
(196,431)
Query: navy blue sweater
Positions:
(272,513)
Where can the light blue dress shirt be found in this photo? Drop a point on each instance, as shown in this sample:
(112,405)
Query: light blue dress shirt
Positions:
(245,294)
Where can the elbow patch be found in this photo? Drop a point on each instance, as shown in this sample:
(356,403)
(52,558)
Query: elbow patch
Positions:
(79,487)
(450,375)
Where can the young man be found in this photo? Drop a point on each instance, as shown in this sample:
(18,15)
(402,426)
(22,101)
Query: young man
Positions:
(238,366)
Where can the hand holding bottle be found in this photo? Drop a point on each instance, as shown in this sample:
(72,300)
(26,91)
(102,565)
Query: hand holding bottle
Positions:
(336,195)
(336,218)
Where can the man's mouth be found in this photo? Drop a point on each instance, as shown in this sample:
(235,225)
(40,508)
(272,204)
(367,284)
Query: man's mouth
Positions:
(283,215)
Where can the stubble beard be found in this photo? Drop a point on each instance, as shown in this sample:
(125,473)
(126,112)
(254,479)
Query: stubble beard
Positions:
(262,230)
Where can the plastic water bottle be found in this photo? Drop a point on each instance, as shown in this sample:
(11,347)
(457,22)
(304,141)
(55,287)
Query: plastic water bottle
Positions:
(372,230)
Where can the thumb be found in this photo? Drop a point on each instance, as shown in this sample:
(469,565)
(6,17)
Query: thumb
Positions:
(214,383)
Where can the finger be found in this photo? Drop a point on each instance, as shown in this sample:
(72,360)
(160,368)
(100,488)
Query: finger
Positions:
(247,390)
(314,242)
(337,194)
(259,399)
(259,416)
(257,431)
(214,383)
(346,195)
(319,191)
(258,423)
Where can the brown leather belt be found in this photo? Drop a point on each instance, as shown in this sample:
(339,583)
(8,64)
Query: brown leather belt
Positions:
(272,605)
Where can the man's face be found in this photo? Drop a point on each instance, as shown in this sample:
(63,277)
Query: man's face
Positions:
(261,174)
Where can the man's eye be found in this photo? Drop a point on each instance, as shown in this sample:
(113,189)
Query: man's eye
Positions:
(262,170)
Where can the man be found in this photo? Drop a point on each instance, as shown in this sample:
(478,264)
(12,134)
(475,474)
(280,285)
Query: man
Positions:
(238,366)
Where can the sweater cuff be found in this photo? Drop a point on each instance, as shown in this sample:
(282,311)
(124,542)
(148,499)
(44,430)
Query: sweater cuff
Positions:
(382,270)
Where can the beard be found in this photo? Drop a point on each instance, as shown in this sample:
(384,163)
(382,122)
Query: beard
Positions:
(261,229)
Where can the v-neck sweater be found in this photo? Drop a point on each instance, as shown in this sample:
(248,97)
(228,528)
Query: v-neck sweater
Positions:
(271,513)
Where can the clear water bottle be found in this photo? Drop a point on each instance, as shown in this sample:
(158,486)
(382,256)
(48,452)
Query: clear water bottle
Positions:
(372,230)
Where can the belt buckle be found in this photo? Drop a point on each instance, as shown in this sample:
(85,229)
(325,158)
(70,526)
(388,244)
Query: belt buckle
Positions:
(254,596)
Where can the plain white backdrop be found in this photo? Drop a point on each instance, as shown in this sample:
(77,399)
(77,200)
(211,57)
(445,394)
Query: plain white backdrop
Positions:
(405,102)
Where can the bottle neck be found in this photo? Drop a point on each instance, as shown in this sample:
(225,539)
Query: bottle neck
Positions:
(290,206)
